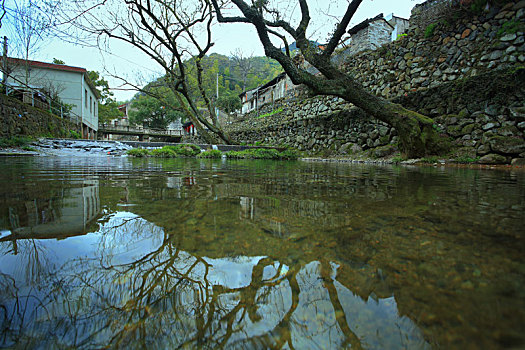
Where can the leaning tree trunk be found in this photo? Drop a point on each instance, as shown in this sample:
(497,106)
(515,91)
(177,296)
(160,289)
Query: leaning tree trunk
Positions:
(417,136)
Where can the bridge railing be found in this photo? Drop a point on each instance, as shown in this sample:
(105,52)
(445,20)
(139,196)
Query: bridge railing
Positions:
(139,130)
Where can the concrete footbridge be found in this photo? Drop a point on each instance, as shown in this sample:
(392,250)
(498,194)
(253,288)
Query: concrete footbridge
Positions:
(167,135)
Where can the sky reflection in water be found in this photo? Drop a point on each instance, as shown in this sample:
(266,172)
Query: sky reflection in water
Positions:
(178,253)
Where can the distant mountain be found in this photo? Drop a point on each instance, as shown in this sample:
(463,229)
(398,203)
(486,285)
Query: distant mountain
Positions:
(235,75)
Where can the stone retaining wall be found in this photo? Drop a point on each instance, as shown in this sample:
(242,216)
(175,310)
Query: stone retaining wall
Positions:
(484,115)
(17,118)
(467,75)
(454,49)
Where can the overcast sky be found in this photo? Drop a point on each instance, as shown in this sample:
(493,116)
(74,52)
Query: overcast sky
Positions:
(130,63)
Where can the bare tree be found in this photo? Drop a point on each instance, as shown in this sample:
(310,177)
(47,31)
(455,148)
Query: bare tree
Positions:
(416,132)
(173,34)
(30,25)
(244,64)
(2,11)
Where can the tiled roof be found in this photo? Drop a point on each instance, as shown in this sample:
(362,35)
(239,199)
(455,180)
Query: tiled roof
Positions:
(61,67)
(47,65)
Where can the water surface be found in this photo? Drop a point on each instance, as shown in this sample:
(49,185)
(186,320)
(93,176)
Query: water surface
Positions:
(118,252)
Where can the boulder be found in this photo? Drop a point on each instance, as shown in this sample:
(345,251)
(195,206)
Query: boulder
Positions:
(492,158)
(507,145)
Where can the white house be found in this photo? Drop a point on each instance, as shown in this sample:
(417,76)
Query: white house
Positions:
(267,93)
(71,84)
(374,32)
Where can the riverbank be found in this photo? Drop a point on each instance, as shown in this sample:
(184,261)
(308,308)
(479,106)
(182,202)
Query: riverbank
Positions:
(72,147)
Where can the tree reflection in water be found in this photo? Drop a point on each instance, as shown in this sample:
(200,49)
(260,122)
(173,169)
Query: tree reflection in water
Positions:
(136,288)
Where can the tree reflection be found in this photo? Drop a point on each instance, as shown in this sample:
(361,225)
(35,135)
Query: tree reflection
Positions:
(140,289)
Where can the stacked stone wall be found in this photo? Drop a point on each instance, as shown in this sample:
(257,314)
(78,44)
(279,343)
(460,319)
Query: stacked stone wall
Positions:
(17,118)
(453,48)
(468,75)
(430,12)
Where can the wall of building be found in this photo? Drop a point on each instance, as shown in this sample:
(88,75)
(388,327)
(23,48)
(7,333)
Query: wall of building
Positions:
(89,105)
(377,33)
(71,87)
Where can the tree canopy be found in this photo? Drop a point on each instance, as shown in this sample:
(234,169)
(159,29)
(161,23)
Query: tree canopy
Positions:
(155,109)
(107,105)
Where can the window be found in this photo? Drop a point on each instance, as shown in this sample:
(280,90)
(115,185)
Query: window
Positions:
(90,104)
(85,97)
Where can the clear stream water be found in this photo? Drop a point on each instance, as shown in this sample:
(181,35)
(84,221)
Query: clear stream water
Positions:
(133,253)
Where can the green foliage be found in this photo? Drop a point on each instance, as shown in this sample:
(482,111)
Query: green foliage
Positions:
(58,61)
(15,141)
(262,153)
(400,36)
(289,154)
(229,104)
(212,153)
(478,5)
(398,159)
(74,134)
(182,150)
(465,159)
(29,148)
(432,159)
(107,105)
(270,113)
(511,27)
(185,150)
(164,152)
(429,30)
(155,112)
(101,84)
(233,75)
(108,111)
(138,152)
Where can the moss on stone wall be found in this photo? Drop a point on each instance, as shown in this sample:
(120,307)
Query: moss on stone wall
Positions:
(18,118)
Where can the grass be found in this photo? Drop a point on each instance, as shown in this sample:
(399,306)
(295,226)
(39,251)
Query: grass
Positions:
(15,141)
(398,159)
(138,152)
(194,151)
(74,134)
(212,153)
(467,160)
(177,151)
(429,30)
(263,153)
(510,27)
(430,160)
(279,110)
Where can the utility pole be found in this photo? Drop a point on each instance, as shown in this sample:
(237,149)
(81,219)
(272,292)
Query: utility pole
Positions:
(217,89)
(4,64)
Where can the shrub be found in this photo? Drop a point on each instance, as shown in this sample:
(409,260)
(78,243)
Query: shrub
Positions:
(262,153)
(465,159)
(164,152)
(184,150)
(212,153)
(138,152)
(74,134)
